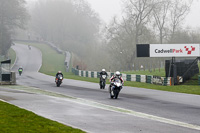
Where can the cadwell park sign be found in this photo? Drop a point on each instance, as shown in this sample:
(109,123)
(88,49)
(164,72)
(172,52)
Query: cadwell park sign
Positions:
(168,50)
(180,70)
(174,50)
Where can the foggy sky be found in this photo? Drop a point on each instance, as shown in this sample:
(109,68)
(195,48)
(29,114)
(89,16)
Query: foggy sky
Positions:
(109,8)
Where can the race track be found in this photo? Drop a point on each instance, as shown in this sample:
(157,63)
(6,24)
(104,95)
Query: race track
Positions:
(83,105)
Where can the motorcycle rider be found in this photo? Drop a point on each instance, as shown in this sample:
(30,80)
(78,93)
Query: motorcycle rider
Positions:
(58,73)
(103,72)
(20,70)
(29,47)
(114,77)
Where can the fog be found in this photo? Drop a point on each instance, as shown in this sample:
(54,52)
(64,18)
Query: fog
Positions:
(74,26)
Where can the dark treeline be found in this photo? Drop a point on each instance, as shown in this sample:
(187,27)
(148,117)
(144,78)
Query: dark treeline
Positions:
(13,15)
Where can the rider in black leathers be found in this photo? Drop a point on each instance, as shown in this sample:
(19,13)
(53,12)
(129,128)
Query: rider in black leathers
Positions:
(103,72)
(58,73)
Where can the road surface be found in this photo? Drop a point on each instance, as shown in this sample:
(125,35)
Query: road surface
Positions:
(83,105)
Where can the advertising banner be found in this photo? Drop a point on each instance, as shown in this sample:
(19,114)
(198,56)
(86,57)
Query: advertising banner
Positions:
(174,50)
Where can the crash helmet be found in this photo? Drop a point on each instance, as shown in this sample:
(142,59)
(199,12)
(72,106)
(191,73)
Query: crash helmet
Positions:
(103,70)
(117,73)
(59,72)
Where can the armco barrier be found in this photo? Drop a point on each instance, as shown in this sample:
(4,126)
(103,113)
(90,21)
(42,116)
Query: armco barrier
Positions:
(148,79)
(124,77)
(165,82)
(92,74)
(133,77)
(129,77)
(138,78)
(86,73)
(89,74)
(143,78)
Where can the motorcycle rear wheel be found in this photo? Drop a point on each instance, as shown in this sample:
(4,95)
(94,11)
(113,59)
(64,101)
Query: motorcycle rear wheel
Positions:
(111,96)
(103,85)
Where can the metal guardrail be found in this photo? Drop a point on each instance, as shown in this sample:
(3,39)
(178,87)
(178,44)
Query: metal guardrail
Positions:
(128,77)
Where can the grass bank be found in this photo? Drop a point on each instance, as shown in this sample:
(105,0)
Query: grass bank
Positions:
(17,120)
(156,72)
(52,62)
(12,55)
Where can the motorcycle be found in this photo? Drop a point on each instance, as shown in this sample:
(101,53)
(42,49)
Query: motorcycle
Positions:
(103,81)
(29,47)
(115,88)
(59,80)
(20,71)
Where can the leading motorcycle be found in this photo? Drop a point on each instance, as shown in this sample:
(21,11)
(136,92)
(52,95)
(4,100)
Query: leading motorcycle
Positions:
(115,88)
(59,80)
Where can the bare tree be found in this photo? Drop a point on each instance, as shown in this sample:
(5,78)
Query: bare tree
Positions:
(139,12)
(160,13)
(178,11)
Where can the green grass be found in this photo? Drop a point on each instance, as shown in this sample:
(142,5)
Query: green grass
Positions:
(188,87)
(51,60)
(17,120)
(12,55)
(160,73)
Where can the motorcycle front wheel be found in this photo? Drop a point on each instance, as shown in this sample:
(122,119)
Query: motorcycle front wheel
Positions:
(111,96)
(58,84)
(116,93)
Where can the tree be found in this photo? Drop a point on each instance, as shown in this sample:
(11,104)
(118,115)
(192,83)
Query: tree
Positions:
(13,15)
(71,25)
(138,11)
(160,13)
(133,29)
(178,11)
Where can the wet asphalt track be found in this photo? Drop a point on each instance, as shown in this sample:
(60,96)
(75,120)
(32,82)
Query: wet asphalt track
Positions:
(83,105)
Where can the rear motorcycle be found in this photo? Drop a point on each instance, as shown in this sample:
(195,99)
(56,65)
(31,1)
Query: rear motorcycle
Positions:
(115,88)
(59,80)
(103,82)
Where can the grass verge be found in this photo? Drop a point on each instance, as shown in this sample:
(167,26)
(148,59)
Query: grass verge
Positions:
(50,67)
(12,55)
(156,72)
(17,120)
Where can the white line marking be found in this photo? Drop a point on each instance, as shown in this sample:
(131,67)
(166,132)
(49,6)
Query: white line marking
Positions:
(107,107)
